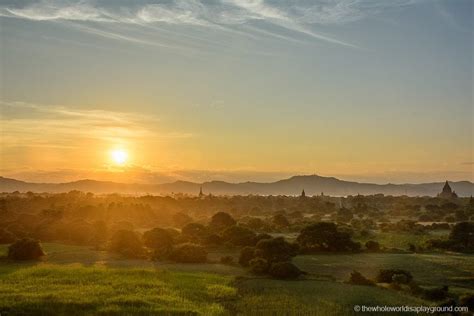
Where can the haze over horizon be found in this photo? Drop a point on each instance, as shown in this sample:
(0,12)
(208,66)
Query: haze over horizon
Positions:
(235,90)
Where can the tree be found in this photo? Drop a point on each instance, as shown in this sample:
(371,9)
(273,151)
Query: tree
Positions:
(180,219)
(221,220)
(246,254)
(324,236)
(25,249)
(255,223)
(462,236)
(280,220)
(258,265)
(275,250)
(344,215)
(100,232)
(194,232)
(239,236)
(160,240)
(188,253)
(127,243)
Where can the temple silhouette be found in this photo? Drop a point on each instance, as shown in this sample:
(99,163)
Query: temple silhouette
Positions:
(447,192)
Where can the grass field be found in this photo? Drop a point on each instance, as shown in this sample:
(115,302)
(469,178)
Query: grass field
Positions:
(401,240)
(74,280)
(455,270)
(70,290)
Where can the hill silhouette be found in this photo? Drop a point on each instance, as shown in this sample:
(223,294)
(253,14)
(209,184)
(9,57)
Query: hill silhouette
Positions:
(312,184)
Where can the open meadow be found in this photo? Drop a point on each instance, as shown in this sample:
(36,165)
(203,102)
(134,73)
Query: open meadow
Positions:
(78,280)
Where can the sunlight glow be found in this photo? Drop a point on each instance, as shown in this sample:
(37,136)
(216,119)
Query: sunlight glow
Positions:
(119,156)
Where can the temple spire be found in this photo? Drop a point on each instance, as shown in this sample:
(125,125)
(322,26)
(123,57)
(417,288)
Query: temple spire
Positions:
(200,192)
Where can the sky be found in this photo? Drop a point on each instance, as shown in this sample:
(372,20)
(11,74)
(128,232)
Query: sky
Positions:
(236,90)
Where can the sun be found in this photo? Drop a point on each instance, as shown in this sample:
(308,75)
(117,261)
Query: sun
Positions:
(119,156)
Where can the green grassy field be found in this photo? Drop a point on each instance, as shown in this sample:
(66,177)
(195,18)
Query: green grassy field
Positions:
(312,297)
(455,270)
(73,290)
(74,280)
(401,240)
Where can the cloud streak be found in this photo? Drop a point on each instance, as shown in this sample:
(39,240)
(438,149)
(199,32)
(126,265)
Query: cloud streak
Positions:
(33,125)
(300,16)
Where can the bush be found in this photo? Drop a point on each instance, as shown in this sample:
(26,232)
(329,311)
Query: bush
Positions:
(386,275)
(372,246)
(188,253)
(246,254)
(25,249)
(227,260)
(436,294)
(284,270)
(127,243)
(400,279)
(467,300)
(258,265)
(357,278)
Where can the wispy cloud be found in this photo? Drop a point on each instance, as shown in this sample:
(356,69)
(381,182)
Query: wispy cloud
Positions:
(301,17)
(34,125)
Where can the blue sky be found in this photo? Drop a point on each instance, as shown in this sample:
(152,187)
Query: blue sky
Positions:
(231,89)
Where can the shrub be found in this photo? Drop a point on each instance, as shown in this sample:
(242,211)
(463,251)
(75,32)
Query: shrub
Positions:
(411,247)
(386,275)
(284,270)
(467,300)
(227,260)
(127,243)
(436,294)
(25,249)
(400,279)
(246,254)
(415,289)
(188,253)
(357,278)
(258,265)
(372,246)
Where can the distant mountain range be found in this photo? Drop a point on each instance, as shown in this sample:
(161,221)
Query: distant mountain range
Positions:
(312,184)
